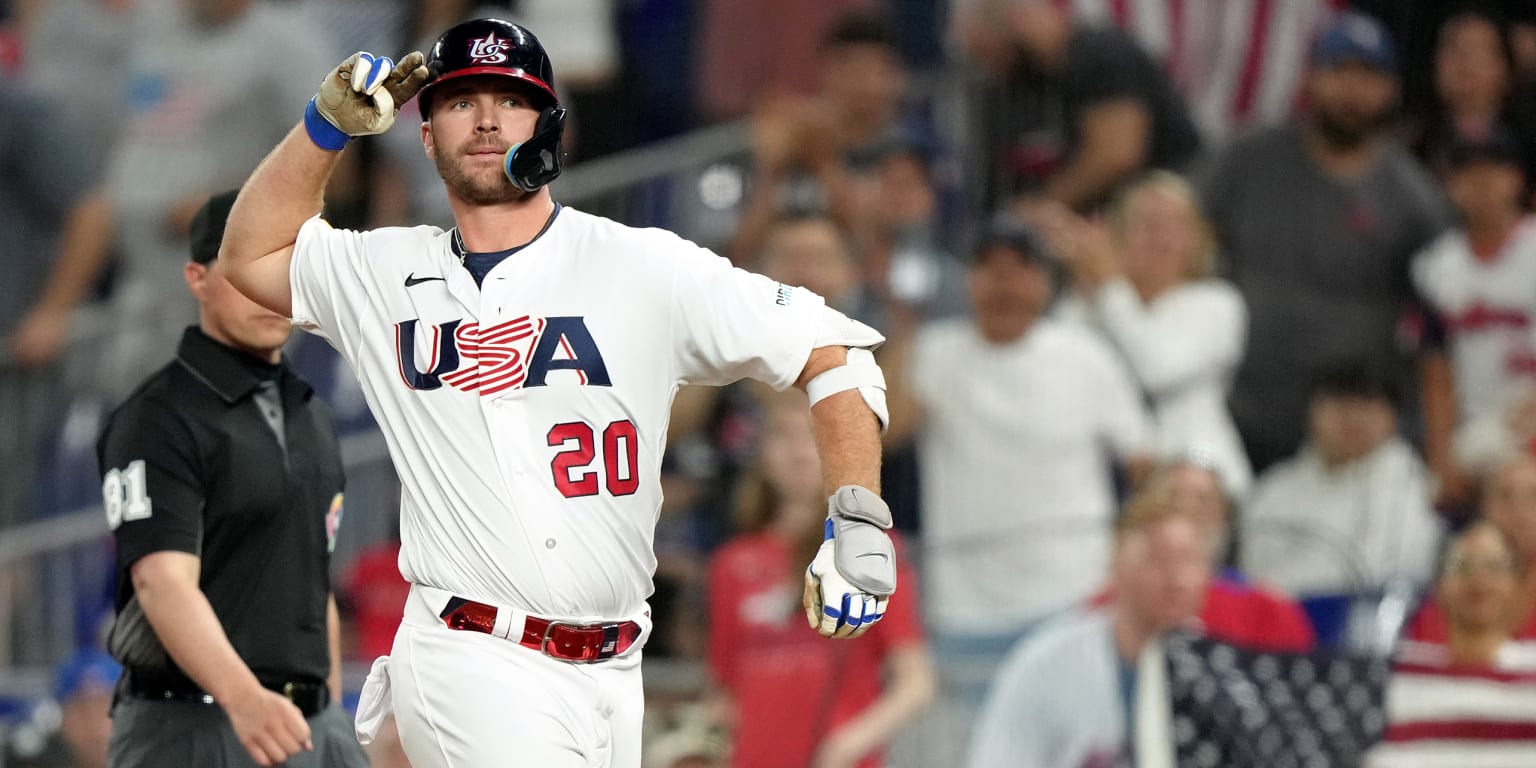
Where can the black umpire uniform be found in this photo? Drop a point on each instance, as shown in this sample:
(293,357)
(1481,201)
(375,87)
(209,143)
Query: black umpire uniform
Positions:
(232,459)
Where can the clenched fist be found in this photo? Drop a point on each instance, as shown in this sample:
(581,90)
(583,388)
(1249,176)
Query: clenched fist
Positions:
(853,576)
(362,96)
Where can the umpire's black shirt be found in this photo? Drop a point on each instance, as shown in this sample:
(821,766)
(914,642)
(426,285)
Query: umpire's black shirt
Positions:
(191,464)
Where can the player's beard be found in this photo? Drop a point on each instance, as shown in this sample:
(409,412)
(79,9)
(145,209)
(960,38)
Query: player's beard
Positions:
(472,188)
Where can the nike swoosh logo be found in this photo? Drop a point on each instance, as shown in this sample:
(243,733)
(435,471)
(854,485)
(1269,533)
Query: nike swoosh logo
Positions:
(880,555)
(412,279)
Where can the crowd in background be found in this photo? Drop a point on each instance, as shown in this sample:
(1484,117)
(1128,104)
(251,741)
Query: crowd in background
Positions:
(1268,269)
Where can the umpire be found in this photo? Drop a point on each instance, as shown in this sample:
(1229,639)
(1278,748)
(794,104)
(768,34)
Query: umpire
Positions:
(222,484)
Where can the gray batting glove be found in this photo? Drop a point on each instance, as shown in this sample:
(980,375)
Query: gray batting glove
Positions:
(362,96)
(850,582)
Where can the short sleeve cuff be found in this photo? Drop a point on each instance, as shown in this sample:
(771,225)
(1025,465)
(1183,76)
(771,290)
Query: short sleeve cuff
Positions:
(303,271)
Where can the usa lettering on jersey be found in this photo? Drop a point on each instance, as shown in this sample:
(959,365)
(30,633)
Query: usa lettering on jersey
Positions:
(492,359)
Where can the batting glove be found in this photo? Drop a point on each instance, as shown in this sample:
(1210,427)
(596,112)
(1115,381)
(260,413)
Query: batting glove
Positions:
(361,97)
(853,576)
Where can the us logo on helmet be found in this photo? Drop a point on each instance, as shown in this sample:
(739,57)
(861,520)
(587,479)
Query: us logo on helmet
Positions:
(489,50)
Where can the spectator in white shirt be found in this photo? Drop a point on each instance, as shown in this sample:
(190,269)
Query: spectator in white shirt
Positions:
(1145,282)
(1020,421)
(1479,281)
(1350,513)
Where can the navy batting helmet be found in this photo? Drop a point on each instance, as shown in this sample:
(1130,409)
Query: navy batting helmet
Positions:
(501,48)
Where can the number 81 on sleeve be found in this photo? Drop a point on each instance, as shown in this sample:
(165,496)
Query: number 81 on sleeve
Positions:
(124,495)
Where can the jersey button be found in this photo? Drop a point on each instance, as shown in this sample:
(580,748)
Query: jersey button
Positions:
(549,543)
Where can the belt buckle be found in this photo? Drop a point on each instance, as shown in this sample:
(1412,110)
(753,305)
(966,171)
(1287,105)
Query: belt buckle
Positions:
(546,645)
(288,691)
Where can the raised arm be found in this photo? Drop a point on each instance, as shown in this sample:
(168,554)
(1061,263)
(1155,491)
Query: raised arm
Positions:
(286,188)
(282,194)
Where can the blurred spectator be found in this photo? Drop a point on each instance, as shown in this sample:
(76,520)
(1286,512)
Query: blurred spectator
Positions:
(811,251)
(1325,274)
(1018,418)
(211,85)
(810,150)
(1238,63)
(97,94)
(1473,83)
(904,260)
(1065,697)
(1480,281)
(757,48)
(691,740)
(1350,513)
(83,694)
(1467,702)
(1148,288)
(373,595)
(52,229)
(797,699)
(1235,609)
(1070,110)
(1509,503)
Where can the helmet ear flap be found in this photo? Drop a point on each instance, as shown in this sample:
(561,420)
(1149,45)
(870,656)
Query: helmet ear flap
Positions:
(537,161)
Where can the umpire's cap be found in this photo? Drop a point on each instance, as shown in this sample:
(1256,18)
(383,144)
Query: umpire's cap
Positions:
(208,226)
(488,47)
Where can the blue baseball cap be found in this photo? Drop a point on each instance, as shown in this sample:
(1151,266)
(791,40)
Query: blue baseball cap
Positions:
(1356,38)
(87,668)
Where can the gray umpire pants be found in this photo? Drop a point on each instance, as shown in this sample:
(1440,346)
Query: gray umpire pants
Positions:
(162,734)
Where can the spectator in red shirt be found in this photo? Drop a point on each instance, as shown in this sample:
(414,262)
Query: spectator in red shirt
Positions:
(797,699)
(1509,502)
(374,593)
(1234,610)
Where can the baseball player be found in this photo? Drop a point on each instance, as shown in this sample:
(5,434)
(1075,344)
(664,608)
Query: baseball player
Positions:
(521,366)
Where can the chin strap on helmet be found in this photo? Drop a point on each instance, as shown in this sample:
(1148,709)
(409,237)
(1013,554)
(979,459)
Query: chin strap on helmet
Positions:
(537,161)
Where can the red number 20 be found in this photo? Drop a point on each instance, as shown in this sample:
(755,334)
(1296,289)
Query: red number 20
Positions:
(623,475)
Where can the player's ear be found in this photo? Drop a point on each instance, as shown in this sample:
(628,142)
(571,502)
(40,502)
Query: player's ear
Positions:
(427,142)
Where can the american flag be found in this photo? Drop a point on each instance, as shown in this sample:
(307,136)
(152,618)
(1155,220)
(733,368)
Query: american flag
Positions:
(1233,708)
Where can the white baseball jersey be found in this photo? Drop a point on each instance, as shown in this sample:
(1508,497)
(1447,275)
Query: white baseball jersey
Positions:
(1487,306)
(527,417)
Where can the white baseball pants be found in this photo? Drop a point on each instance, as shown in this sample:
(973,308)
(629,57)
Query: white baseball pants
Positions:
(469,700)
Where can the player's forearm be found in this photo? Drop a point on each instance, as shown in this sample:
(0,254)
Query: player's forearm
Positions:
(333,633)
(285,190)
(848,439)
(190,631)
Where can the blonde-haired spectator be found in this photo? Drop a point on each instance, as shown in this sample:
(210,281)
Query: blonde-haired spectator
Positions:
(1145,281)
(1063,698)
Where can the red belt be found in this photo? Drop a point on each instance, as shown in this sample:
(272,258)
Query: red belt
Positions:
(557,639)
